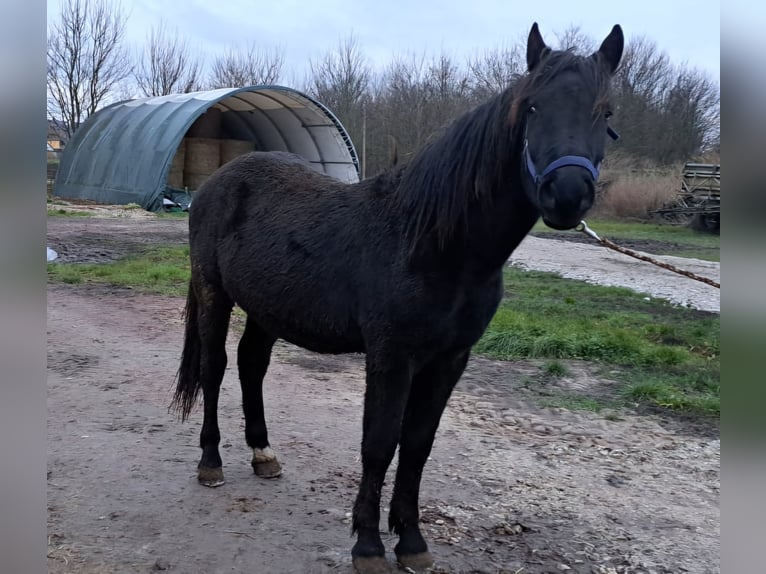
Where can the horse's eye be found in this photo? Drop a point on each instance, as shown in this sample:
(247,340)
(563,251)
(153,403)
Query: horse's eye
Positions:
(532,110)
(608,114)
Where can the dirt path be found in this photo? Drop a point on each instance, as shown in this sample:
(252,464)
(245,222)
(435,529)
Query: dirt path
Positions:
(510,487)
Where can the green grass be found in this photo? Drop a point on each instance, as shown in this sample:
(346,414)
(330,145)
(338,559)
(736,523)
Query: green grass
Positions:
(573,403)
(665,355)
(555,369)
(64,213)
(690,243)
(163,270)
(706,255)
(657,353)
(172,214)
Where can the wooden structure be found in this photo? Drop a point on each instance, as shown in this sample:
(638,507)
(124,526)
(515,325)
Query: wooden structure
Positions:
(698,202)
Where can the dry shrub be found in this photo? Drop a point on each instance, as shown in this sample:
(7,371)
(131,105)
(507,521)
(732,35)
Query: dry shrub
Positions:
(631,189)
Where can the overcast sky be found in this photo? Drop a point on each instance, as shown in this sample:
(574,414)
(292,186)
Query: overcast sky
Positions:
(688,30)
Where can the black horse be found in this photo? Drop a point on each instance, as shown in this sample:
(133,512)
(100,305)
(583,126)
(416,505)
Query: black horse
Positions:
(405,267)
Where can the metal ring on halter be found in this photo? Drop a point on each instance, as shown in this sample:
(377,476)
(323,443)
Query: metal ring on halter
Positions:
(582,226)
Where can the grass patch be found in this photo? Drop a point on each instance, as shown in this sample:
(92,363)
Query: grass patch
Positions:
(706,255)
(555,369)
(639,230)
(665,355)
(680,241)
(164,270)
(172,214)
(65,213)
(573,403)
(694,392)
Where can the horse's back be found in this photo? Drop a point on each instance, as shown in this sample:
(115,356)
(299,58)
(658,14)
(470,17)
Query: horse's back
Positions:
(265,172)
(263,189)
(283,242)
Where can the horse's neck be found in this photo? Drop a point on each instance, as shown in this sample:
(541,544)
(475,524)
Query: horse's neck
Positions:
(492,231)
(500,216)
(475,208)
(495,229)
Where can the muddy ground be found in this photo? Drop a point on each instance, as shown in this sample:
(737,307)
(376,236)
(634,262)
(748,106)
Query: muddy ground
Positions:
(511,486)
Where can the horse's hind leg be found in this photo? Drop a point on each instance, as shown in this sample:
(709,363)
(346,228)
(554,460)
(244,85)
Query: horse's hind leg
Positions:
(431,388)
(253,356)
(213,315)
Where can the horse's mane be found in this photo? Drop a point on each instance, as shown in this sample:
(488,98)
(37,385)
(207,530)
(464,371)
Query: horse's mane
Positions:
(464,163)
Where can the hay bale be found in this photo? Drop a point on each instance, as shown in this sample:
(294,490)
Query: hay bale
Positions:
(176,178)
(193,181)
(208,125)
(176,174)
(203,156)
(231,149)
(179,159)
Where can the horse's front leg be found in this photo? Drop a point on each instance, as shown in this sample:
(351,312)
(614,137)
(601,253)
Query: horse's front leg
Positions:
(431,388)
(388,382)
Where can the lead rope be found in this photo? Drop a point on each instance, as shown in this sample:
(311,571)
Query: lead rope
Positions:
(605,242)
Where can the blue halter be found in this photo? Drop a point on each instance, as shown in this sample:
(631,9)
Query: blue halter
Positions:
(565,160)
(577,160)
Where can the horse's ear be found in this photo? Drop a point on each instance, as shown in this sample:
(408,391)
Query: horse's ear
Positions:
(535,47)
(611,49)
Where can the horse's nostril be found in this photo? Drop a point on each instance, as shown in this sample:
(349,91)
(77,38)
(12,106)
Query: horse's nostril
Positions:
(547,198)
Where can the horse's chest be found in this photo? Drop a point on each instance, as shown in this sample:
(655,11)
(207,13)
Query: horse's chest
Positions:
(472,317)
(460,321)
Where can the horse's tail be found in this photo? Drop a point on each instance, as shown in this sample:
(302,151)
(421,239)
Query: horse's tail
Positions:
(188,377)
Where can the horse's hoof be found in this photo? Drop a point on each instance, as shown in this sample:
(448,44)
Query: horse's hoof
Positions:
(372,565)
(419,562)
(265,463)
(268,469)
(211,477)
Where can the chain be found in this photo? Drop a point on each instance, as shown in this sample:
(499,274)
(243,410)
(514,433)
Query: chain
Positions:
(603,241)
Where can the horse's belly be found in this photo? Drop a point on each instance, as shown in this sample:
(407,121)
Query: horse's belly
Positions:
(314,328)
(324,344)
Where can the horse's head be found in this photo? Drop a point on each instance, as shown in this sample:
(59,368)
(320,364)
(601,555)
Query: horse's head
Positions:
(562,106)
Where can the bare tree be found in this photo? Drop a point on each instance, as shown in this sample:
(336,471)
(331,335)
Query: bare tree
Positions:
(644,70)
(574,39)
(692,104)
(250,67)
(495,70)
(167,65)
(446,80)
(666,113)
(342,78)
(86,59)
(415,97)
(402,103)
(341,81)
(447,92)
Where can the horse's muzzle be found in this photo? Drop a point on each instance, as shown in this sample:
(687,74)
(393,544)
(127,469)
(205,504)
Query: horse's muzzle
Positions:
(565,196)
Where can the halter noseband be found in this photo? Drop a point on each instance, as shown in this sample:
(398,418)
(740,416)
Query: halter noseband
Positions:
(565,160)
